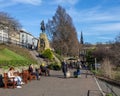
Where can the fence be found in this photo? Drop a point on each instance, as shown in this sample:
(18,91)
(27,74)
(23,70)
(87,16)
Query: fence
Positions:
(15,42)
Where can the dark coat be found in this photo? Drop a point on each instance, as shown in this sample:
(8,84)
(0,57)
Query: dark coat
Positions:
(64,67)
(30,70)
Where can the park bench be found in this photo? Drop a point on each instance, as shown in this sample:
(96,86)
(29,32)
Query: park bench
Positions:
(9,82)
(27,76)
(32,77)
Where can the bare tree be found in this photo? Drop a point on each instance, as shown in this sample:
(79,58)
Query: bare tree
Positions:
(6,21)
(118,38)
(115,49)
(63,33)
(110,51)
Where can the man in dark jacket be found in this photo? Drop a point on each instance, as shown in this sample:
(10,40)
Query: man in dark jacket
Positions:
(64,68)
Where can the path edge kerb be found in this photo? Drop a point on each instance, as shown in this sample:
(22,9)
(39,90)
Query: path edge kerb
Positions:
(110,81)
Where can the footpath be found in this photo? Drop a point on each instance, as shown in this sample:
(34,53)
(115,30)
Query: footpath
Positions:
(57,85)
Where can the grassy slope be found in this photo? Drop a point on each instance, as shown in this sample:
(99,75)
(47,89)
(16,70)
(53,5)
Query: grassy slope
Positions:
(11,55)
(6,54)
(21,51)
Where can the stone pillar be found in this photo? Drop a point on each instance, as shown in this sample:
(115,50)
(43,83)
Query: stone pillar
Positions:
(43,43)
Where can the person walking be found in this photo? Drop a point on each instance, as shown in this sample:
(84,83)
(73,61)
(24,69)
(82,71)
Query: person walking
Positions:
(64,68)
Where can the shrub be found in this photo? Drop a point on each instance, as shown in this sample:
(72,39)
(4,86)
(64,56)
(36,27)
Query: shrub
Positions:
(54,66)
(48,54)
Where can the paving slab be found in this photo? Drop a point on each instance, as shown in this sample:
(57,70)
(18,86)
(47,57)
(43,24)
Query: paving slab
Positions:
(55,85)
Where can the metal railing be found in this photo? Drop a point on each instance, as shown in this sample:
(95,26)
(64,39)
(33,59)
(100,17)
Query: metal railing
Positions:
(5,40)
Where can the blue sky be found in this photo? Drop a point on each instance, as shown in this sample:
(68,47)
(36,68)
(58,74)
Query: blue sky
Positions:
(99,20)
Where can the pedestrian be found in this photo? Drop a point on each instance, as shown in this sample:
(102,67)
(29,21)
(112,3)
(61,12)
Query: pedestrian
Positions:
(64,68)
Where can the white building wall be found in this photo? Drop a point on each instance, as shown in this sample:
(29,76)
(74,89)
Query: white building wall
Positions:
(4,35)
(35,42)
(28,40)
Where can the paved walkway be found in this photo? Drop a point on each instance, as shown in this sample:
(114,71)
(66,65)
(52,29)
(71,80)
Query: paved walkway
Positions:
(55,85)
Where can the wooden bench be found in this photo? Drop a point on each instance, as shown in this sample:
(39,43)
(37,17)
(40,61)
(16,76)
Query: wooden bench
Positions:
(32,77)
(9,82)
(27,76)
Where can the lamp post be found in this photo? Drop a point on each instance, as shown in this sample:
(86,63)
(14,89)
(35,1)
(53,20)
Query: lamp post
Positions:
(96,64)
(22,39)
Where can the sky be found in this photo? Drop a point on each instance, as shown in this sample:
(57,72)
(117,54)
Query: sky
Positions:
(98,20)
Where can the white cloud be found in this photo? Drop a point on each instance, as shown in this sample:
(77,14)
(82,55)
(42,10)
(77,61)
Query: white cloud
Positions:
(110,27)
(105,38)
(102,30)
(33,2)
(95,14)
(97,23)
(72,2)
(4,4)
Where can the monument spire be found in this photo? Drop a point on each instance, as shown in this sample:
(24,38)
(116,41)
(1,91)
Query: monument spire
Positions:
(81,38)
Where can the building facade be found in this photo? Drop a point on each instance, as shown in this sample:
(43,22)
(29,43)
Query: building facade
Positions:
(27,40)
(20,37)
(4,35)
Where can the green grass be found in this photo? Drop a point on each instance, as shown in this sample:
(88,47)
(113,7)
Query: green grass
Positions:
(22,52)
(11,55)
(109,94)
(6,54)
(117,75)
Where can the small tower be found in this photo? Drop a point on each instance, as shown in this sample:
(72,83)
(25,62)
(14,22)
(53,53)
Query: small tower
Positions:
(81,42)
(81,38)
